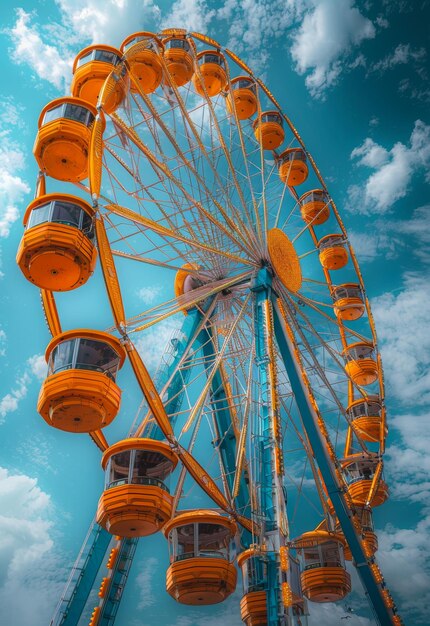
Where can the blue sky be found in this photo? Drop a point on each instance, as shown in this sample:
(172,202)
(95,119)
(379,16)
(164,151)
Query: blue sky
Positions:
(353,77)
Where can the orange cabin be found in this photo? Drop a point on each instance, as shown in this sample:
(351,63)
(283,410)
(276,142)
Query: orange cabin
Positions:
(348,301)
(324,577)
(80,393)
(57,251)
(332,252)
(268,130)
(201,570)
(359,470)
(141,51)
(212,69)
(92,66)
(361,365)
(242,97)
(178,60)
(366,416)
(292,167)
(136,501)
(63,139)
(315,207)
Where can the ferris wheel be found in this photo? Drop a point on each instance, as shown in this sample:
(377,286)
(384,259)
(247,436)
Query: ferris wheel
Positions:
(271,389)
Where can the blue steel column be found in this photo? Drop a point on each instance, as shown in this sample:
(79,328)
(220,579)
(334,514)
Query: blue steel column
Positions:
(266,443)
(344,515)
(226,437)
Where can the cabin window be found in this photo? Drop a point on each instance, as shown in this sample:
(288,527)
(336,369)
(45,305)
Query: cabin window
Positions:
(71,112)
(177,43)
(62,213)
(118,469)
(62,357)
(271,117)
(97,356)
(212,58)
(84,354)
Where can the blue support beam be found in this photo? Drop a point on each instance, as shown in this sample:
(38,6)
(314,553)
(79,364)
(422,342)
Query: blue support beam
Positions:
(325,464)
(266,439)
(226,437)
(84,573)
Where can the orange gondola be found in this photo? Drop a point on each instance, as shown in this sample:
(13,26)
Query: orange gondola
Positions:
(268,130)
(57,251)
(142,53)
(201,570)
(315,207)
(80,393)
(242,97)
(292,167)
(136,501)
(324,577)
(332,252)
(359,470)
(178,59)
(212,69)
(92,66)
(361,365)
(367,419)
(348,301)
(63,139)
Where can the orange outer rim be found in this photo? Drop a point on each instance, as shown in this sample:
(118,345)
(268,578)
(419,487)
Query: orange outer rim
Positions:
(65,100)
(100,46)
(200,515)
(84,333)
(49,197)
(139,443)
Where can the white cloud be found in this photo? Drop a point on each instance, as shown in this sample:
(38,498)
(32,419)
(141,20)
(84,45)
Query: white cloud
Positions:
(3,340)
(390,238)
(404,556)
(149,294)
(402,323)
(253,25)
(109,21)
(326,37)
(189,14)
(38,366)
(35,368)
(153,342)
(9,402)
(329,614)
(368,246)
(394,171)
(144,579)
(29,568)
(12,187)
(48,62)
(403,54)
